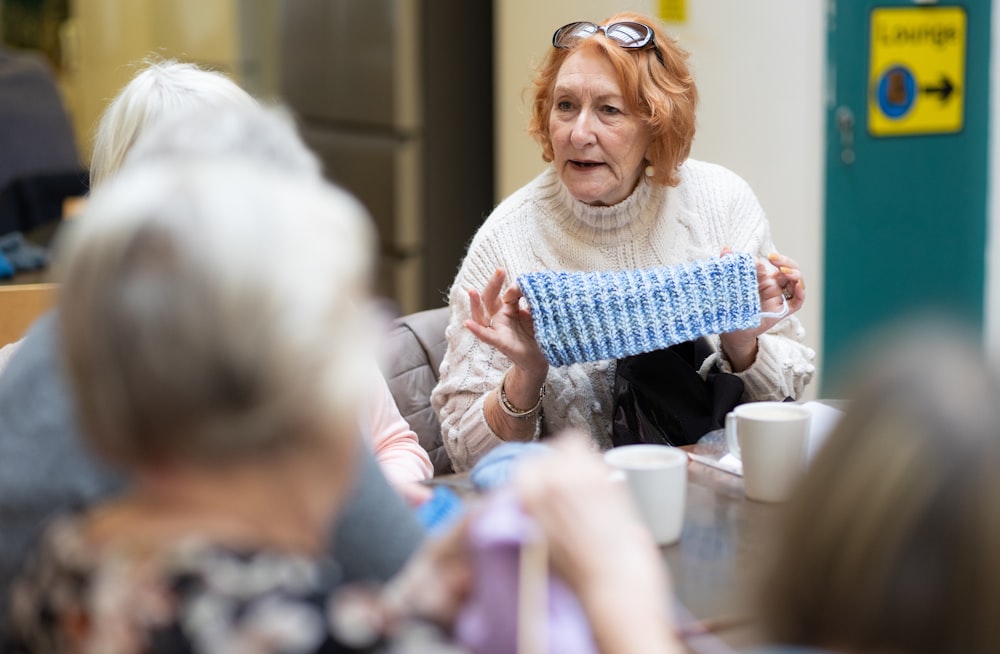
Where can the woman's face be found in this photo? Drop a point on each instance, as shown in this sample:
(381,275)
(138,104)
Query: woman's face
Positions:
(599,147)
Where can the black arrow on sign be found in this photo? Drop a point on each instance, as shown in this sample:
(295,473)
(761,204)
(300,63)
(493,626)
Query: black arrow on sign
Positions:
(944,90)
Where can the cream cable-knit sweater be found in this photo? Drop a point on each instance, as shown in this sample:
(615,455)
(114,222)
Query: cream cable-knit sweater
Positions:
(542,227)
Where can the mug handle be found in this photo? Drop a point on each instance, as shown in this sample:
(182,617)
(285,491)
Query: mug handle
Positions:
(731,441)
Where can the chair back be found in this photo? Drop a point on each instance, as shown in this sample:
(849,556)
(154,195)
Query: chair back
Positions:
(21,305)
(415,347)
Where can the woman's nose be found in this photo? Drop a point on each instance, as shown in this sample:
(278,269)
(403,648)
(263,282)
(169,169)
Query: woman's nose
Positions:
(583,132)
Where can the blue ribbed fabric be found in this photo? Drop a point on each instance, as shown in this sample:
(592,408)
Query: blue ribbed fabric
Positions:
(590,316)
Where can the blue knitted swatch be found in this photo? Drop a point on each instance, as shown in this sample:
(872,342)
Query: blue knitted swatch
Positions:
(590,316)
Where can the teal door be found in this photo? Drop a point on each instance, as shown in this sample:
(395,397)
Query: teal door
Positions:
(906,159)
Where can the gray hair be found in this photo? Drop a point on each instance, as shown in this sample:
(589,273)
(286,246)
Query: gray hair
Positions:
(215,309)
(159,91)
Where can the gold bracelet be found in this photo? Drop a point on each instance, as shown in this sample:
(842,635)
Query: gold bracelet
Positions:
(513,411)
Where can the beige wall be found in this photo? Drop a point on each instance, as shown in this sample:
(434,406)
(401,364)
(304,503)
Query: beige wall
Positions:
(106,40)
(759,70)
(759,67)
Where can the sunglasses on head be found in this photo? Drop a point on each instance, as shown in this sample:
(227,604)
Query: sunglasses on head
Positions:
(627,34)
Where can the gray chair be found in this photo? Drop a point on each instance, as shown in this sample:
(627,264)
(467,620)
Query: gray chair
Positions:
(414,349)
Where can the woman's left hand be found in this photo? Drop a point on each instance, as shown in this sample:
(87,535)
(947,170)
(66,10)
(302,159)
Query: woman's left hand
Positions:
(784,280)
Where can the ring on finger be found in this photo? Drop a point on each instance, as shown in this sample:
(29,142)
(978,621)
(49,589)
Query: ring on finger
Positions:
(787,292)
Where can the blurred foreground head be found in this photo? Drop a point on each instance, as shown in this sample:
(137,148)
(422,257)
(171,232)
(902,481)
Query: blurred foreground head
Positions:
(160,91)
(891,544)
(213,310)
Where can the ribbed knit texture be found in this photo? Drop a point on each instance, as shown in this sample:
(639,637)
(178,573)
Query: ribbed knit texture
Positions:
(590,316)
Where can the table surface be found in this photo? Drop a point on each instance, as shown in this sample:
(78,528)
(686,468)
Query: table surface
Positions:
(715,566)
(27,277)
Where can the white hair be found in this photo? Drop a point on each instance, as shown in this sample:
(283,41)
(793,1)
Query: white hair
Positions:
(215,309)
(267,135)
(159,91)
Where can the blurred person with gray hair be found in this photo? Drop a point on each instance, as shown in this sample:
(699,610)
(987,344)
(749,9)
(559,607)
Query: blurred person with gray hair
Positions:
(229,393)
(44,469)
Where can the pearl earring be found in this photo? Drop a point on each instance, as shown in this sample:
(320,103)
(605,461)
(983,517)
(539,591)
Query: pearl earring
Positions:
(650,171)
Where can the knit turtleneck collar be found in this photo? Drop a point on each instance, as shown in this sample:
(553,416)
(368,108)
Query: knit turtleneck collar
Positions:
(629,218)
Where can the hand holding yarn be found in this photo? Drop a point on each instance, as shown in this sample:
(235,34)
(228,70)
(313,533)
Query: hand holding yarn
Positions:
(789,279)
(783,284)
(780,286)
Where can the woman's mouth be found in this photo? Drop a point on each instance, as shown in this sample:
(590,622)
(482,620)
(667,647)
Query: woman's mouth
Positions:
(586,164)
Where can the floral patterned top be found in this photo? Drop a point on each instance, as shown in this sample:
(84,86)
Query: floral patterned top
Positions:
(196,597)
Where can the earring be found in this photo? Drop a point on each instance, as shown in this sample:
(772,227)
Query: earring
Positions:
(650,171)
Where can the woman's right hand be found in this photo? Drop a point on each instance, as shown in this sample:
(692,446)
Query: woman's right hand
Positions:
(499,321)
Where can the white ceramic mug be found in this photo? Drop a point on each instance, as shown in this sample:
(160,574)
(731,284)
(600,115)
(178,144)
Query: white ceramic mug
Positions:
(771,439)
(657,480)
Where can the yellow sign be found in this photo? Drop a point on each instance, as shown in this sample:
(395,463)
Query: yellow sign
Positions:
(674,11)
(916,78)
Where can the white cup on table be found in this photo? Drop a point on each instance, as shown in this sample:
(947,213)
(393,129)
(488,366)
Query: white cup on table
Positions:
(657,479)
(771,439)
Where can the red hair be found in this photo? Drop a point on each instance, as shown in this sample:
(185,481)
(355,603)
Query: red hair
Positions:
(663,95)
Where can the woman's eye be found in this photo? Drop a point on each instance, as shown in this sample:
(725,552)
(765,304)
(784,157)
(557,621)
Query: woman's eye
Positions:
(564,105)
(609,109)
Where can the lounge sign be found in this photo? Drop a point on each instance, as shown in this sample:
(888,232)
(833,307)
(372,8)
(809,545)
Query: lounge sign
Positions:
(916,70)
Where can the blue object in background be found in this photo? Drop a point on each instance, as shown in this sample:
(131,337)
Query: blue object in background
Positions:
(6,270)
(441,511)
(496,468)
(21,254)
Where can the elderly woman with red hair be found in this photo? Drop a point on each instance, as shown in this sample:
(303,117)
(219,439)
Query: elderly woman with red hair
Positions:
(614,112)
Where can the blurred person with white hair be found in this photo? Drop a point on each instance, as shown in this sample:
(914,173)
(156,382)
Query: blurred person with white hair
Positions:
(181,110)
(161,90)
(270,136)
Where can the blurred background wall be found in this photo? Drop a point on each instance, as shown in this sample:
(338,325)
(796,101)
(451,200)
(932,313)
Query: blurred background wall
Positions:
(761,69)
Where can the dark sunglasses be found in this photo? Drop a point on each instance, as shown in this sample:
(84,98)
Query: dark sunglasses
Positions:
(628,34)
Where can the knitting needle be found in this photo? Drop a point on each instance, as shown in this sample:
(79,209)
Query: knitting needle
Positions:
(532,597)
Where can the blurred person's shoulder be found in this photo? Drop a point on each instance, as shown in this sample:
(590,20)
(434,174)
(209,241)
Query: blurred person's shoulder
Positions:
(33,369)
(27,80)
(22,62)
